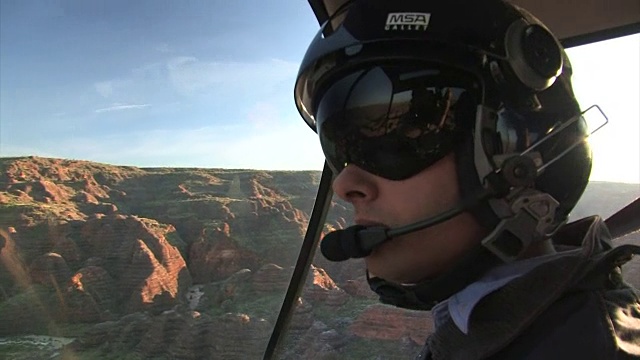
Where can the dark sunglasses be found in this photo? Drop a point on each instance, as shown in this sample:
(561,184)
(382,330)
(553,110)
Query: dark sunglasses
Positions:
(394,120)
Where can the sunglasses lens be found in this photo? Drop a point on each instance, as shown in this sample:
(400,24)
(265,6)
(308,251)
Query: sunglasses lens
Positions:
(394,121)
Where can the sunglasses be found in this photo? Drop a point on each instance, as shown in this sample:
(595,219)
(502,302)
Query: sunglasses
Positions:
(394,120)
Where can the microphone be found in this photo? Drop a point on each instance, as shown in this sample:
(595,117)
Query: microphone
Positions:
(353,242)
(359,241)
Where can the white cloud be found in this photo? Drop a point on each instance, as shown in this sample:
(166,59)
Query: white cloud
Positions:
(188,74)
(263,115)
(141,79)
(147,71)
(120,107)
(284,147)
(191,76)
(104,88)
(109,88)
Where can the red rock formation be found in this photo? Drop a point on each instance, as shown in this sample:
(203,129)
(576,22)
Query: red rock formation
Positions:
(232,329)
(96,282)
(215,256)
(148,271)
(302,317)
(336,298)
(342,271)
(359,288)
(162,332)
(270,278)
(50,270)
(150,284)
(68,249)
(266,222)
(4,198)
(85,198)
(318,285)
(90,186)
(235,284)
(13,270)
(81,307)
(42,191)
(390,323)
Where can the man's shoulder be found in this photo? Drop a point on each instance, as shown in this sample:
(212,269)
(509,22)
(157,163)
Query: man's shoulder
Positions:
(594,323)
(582,325)
(596,315)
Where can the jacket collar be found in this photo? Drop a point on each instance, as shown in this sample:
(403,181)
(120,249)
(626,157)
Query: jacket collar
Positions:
(543,285)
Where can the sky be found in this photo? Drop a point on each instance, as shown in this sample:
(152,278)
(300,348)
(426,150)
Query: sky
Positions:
(209,83)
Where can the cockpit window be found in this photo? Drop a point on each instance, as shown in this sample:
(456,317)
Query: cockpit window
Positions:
(156,183)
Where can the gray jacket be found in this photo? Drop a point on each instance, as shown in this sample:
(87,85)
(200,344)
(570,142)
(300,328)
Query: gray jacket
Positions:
(573,307)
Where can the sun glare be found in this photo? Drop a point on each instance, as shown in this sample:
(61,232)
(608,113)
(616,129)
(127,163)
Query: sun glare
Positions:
(608,74)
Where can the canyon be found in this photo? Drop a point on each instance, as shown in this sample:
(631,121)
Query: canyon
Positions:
(190,263)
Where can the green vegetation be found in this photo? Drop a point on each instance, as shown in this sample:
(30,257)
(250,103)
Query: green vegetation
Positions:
(263,307)
(238,297)
(100,354)
(15,349)
(30,312)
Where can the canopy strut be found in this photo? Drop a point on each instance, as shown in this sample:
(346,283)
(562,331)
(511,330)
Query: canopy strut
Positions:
(307,251)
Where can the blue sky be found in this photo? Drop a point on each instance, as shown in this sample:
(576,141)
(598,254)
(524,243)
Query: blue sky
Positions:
(196,83)
(209,83)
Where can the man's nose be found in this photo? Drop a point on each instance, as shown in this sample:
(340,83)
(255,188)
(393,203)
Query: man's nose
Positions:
(354,184)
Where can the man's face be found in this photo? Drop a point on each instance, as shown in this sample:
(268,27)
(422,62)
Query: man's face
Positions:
(422,254)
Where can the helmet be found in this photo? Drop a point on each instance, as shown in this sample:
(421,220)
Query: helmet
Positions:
(393,86)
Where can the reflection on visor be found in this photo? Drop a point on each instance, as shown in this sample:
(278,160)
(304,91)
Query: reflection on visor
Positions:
(394,121)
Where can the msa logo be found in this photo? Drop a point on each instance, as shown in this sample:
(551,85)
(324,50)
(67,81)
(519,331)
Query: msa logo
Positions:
(407,21)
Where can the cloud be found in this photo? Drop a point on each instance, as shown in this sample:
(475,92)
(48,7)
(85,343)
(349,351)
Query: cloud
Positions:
(104,88)
(141,79)
(293,147)
(120,107)
(237,144)
(188,74)
(263,114)
(243,142)
(149,71)
(108,88)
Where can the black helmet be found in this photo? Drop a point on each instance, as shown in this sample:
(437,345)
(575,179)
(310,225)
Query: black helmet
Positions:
(393,86)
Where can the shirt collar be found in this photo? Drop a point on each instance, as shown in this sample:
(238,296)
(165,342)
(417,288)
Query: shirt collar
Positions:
(460,305)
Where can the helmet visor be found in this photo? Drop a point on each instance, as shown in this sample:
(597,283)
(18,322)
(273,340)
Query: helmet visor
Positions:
(394,120)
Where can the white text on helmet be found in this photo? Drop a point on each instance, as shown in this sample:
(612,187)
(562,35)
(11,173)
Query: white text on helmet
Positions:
(407,21)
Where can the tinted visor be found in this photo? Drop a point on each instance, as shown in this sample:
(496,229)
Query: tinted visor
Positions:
(396,120)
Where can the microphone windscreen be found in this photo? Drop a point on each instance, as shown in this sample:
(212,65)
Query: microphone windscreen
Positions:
(331,246)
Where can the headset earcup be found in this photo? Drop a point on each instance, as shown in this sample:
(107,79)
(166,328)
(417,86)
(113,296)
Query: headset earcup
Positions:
(534,57)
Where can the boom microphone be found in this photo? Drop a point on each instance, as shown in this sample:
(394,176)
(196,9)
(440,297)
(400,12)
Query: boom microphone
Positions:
(359,241)
(353,242)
